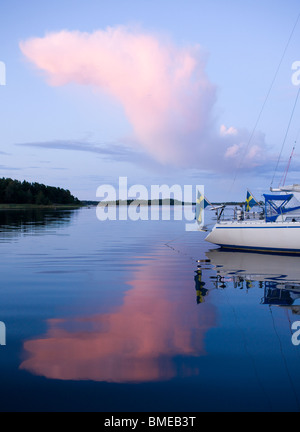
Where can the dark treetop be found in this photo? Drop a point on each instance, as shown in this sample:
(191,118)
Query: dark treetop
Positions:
(16,192)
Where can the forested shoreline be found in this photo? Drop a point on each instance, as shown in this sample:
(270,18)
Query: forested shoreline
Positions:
(17,192)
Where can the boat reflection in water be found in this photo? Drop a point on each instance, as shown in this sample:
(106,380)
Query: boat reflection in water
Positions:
(277,275)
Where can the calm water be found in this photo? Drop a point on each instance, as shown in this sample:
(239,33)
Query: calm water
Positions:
(119,316)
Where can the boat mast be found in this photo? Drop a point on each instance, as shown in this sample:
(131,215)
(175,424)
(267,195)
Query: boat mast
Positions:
(286,135)
(287,168)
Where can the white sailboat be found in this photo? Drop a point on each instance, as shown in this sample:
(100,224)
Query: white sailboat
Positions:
(276,228)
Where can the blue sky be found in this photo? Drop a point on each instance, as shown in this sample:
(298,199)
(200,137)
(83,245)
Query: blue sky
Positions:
(73,137)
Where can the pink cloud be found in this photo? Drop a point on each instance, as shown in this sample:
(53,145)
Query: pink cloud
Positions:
(239,147)
(163,88)
(154,322)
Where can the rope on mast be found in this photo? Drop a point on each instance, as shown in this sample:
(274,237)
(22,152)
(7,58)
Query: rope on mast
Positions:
(286,135)
(266,98)
(283,180)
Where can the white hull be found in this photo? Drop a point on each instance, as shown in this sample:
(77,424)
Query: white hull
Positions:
(282,237)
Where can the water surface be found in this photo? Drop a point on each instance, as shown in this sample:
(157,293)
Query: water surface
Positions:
(142,316)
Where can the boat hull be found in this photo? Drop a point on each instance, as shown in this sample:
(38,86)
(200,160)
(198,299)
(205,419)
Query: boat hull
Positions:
(278,237)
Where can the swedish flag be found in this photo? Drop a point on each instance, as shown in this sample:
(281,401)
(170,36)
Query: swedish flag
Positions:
(250,202)
(201,204)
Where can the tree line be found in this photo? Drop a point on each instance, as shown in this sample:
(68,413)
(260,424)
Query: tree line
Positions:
(17,192)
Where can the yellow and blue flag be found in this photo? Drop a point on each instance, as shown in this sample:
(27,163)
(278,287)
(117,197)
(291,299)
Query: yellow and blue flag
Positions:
(250,202)
(201,205)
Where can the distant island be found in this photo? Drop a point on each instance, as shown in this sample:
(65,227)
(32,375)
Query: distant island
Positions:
(16,194)
(160,202)
(25,193)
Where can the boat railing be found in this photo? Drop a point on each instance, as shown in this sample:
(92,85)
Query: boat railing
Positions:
(239,214)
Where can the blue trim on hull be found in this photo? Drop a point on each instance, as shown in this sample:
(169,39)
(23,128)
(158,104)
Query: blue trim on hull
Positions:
(259,249)
(256,227)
